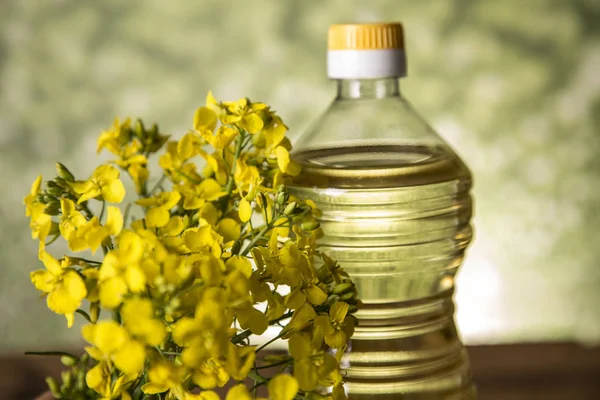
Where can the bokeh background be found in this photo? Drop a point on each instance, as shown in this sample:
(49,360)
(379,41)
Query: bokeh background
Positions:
(514,86)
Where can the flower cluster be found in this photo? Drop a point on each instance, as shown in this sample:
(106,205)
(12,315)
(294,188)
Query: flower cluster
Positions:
(196,268)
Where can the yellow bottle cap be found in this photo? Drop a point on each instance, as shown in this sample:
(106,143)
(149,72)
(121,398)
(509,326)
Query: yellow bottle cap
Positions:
(366,36)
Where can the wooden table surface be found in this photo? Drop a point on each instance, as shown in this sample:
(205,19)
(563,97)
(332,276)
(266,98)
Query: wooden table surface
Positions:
(547,371)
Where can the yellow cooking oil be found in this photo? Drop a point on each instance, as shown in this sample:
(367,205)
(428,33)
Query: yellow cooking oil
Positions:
(397,218)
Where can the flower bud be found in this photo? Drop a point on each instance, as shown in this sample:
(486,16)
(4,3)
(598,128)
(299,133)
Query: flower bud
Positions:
(236,247)
(139,130)
(94,311)
(342,288)
(352,308)
(68,361)
(40,199)
(262,199)
(53,386)
(175,303)
(48,198)
(55,191)
(310,225)
(50,184)
(290,208)
(153,132)
(53,208)
(60,182)
(252,191)
(80,381)
(66,381)
(348,296)
(64,173)
(281,198)
(304,210)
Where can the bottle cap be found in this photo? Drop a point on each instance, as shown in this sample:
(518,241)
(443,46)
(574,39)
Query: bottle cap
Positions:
(366,51)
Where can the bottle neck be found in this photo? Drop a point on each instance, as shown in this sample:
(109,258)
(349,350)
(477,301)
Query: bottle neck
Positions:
(355,89)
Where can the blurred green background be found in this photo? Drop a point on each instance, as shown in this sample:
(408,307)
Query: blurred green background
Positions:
(514,86)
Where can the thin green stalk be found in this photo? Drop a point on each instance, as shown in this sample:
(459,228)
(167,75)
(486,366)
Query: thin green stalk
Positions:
(52,240)
(282,362)
(50,353)
(256,239)
(88,261)
(268,343)
(186,176)
(239,146)
(84,314)
(127,210)
(157,185)
(102,211)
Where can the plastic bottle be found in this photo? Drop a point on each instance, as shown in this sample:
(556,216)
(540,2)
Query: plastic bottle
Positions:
(396,213)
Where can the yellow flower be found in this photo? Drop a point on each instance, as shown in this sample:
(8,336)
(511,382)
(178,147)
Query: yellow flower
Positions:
(210,374)
(301,318)
(244,114)
(222,137)
(206,334)
(285,163)
(138,318)
(99,378)
(282,387)
(129,153)
(31,198)
(164,375)
(246,176)
(238,392)
(189,145)
(171,161)
(229,228)
(310,365)
(113,344)
(159,208)
(205,118)
(336,327)
(103,182)
(245,210)
(139,174)
(250,318)
(116,137)
(40,222)
(120,271)
(216,166)
(299,274)
(71,219)
(65,287)
(203,240)
(240,360)
(82,234)
(197,195)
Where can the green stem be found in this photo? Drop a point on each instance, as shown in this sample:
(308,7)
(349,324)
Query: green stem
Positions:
(157,185)
(50,353)
(239,146)
(268,343)
(282,362)
(88,261)
(241,336)
(85,315)
(247,333)
(52,240)
(127,209)
(257,238)
(102,211)
(186,176)
(284,316)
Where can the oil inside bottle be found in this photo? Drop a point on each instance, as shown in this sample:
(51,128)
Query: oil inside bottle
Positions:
(396,218)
